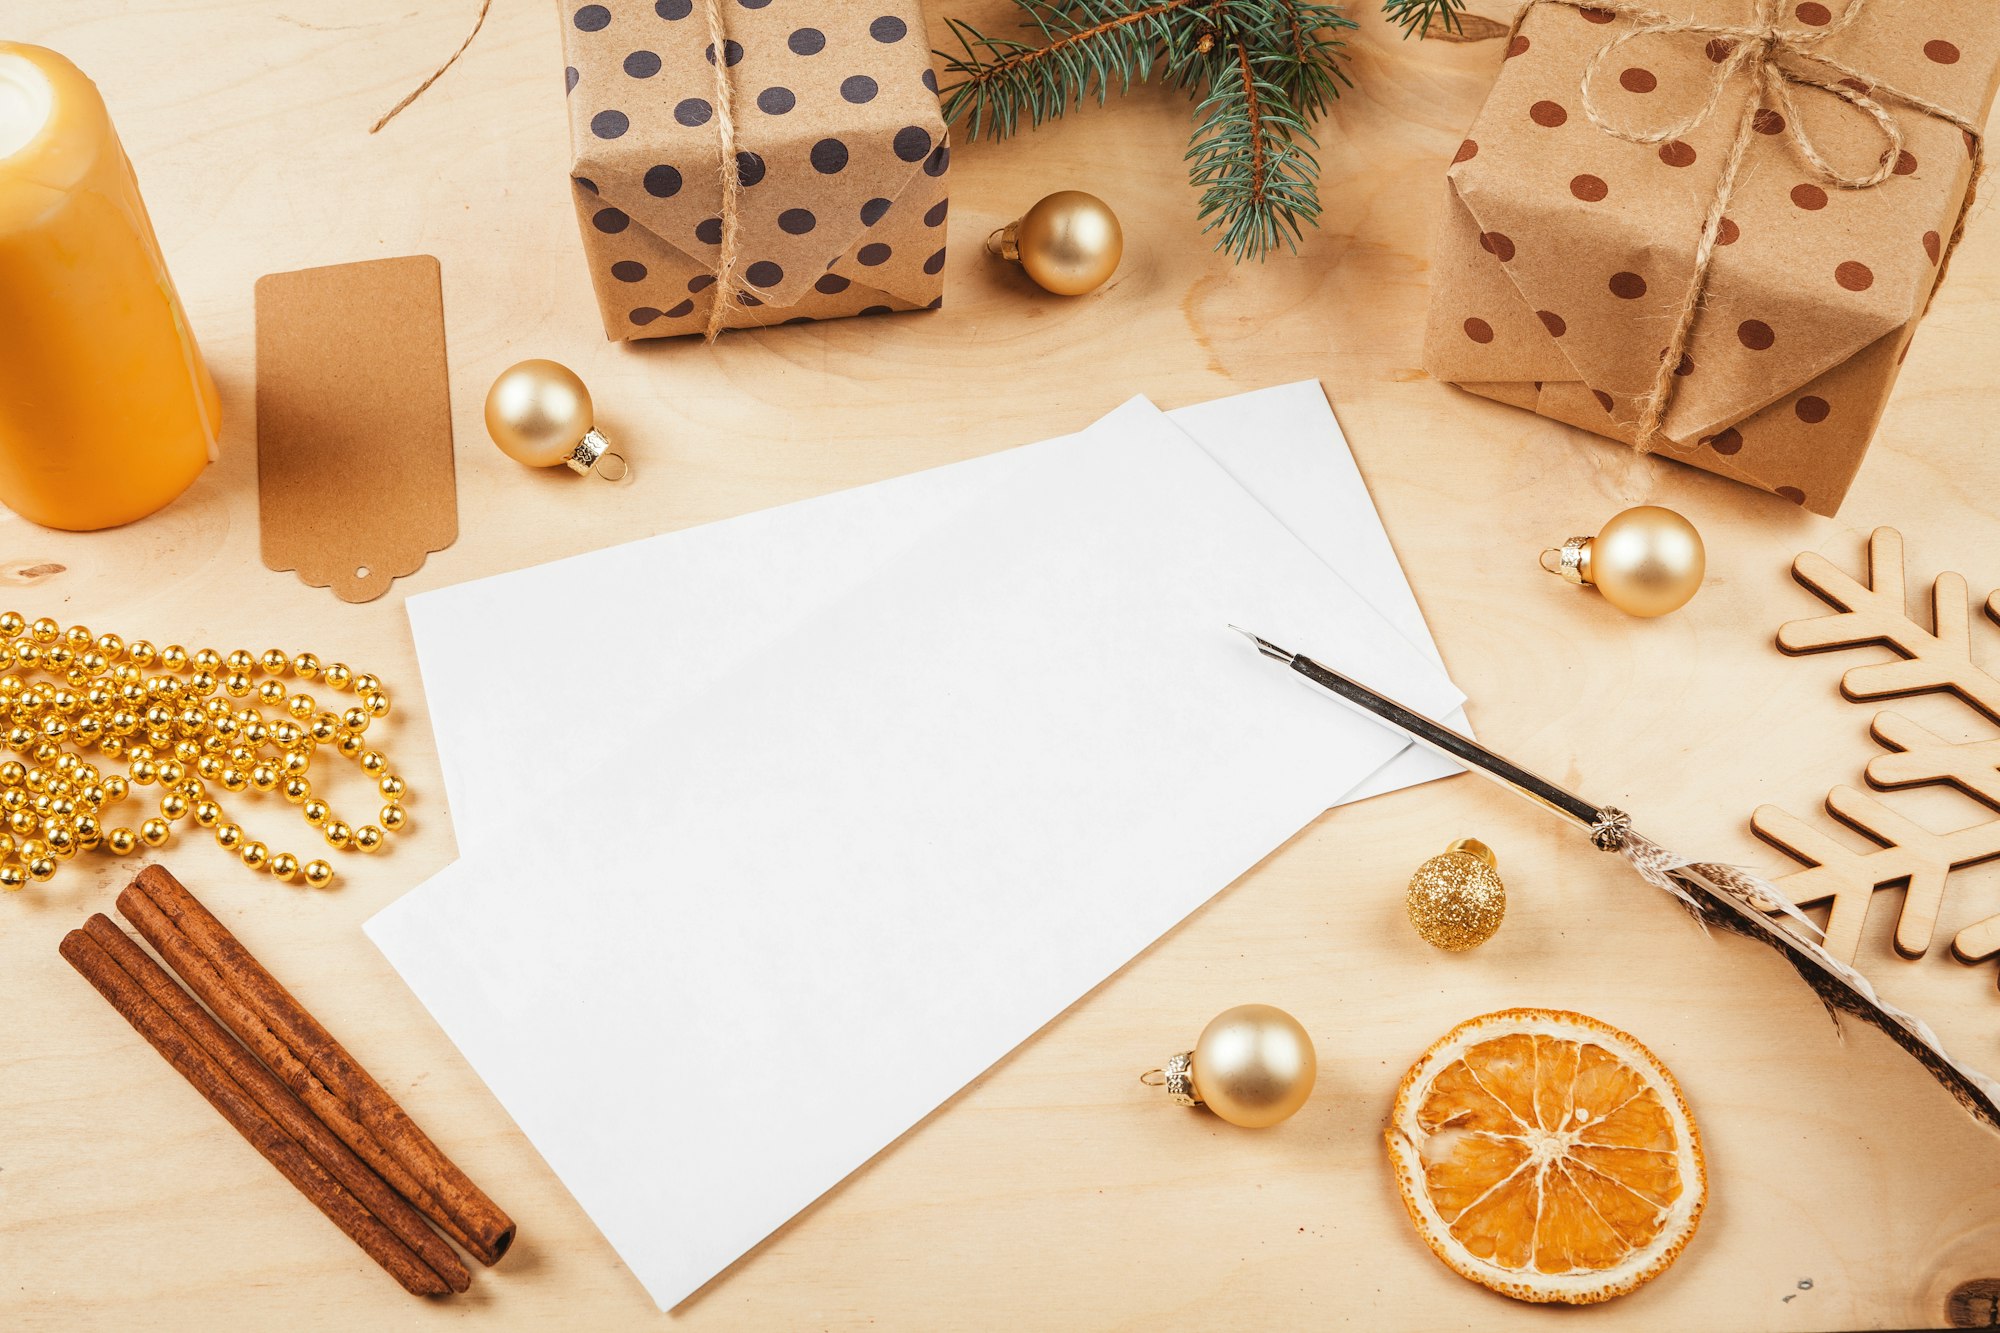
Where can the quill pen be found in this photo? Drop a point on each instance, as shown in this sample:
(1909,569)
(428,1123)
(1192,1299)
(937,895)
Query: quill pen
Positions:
(1717,895)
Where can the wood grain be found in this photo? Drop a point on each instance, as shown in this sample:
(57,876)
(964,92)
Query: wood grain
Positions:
(1055,1192)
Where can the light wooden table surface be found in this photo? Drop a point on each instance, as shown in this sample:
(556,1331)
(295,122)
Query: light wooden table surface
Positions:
(1054,1192)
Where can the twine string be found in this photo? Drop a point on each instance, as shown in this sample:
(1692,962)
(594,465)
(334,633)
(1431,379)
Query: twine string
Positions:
(1776,58)
(437,73)
(732,182)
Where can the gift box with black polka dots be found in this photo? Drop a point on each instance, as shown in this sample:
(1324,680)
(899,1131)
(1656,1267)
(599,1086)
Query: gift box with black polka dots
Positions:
(830,115)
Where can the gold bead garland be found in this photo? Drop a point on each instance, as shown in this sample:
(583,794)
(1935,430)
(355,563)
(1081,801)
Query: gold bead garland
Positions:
(66,692)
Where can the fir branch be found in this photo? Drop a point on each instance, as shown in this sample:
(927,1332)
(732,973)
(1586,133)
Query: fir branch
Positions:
(1415,17)
(1257,70)
(1088,45)
(1312,74)
(1258,187)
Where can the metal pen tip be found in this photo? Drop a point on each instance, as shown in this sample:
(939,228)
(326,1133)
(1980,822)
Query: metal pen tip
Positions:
(1265,646)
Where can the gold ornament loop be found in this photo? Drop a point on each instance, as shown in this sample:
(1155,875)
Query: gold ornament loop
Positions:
(1572,559)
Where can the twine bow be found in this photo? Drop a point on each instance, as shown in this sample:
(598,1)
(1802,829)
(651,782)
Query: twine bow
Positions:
(1777,58)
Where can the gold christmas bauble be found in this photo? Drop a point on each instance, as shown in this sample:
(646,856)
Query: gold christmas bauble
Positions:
(537,412)
(1646,561)
(1069,243)
(1456,899)
(1254,1065)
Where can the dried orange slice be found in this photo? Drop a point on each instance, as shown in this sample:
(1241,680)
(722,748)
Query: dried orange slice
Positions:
(1548,1156)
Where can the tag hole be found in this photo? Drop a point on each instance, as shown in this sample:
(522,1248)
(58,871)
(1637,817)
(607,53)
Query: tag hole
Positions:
(361,572)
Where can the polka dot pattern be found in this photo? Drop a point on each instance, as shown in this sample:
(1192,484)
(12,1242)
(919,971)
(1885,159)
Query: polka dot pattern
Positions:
(1548,114)
(841,158)
(1854,275)
(1590,189)
(1627,286)
(1637,80)
(1498,245)
(1478,330)
(1677,154)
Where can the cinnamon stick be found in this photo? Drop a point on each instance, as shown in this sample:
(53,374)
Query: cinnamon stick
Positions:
(277,1102)
(307,1059)
(153,1022)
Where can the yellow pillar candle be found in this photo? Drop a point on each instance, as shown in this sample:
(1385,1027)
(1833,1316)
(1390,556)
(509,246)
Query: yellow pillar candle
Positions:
(106,410)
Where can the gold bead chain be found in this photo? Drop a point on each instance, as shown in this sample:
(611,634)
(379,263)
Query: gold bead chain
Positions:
(167,715)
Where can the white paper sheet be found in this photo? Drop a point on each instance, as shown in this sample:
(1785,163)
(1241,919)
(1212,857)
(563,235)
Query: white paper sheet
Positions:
(844,873)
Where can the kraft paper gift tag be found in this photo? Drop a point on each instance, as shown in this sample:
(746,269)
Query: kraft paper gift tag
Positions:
(354,467)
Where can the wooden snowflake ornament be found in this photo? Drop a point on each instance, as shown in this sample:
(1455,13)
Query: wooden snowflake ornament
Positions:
(1878,612)
(1906,855)
(1920,758)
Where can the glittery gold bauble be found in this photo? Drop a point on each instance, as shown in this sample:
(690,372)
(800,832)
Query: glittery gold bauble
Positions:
(1069,243)
(1456,899)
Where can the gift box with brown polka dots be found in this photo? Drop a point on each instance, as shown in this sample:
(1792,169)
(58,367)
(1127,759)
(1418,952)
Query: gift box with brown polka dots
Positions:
(1598,176)
(839,158)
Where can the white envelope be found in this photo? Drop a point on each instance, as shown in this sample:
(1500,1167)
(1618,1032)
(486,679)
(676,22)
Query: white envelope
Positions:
(782,920)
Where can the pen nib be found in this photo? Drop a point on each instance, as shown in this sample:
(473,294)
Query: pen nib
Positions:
(1265,646)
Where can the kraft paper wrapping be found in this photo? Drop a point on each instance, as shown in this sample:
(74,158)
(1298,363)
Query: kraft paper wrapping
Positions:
(841,153)
(1565,253)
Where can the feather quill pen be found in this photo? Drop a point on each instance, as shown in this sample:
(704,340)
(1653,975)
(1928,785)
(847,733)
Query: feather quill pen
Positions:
(1718,895)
